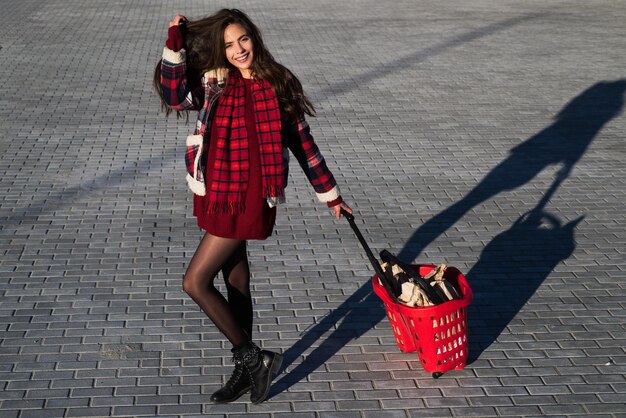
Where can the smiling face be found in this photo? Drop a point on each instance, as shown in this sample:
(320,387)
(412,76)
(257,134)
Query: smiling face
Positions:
(239,48)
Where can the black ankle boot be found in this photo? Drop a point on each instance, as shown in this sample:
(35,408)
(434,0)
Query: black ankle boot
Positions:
(238,384)
(261,372)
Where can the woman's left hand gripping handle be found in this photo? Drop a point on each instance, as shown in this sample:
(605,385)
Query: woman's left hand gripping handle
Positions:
(338,208)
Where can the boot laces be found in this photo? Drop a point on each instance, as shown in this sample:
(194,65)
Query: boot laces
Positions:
(250,377)
(242,364)
(236,376)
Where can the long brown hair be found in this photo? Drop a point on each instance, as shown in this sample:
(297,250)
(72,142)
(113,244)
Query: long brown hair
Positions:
(204,44)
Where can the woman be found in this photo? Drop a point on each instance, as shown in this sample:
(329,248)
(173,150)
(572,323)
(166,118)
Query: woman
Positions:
(250,113)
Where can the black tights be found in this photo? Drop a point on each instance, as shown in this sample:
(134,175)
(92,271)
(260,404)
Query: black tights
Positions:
(233,317)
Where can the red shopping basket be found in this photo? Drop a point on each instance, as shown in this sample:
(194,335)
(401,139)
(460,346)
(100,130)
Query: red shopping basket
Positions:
(438,333)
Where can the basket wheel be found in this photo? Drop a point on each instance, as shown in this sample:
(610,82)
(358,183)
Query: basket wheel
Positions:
(437,375)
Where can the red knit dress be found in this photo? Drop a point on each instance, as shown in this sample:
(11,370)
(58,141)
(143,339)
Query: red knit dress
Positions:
(257,222)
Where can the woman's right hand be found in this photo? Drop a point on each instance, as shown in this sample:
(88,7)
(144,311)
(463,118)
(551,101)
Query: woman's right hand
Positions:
(177,19)
(176,34)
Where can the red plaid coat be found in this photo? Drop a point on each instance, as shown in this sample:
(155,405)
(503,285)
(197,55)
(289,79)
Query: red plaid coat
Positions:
(180,95)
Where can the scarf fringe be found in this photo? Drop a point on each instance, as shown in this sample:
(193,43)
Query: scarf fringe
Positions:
(231,208)
(273,191)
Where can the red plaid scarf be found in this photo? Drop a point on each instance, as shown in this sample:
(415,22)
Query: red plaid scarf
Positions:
(231,172)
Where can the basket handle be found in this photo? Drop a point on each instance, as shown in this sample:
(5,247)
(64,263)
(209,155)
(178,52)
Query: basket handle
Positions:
(373,260)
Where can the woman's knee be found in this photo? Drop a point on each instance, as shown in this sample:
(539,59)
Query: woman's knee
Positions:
(236,271)
(187,283)
(239,279)
(195,285)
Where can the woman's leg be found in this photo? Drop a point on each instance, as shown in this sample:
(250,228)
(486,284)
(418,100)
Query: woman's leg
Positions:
(254,368)
(260,365)
(212,255)
(237,276)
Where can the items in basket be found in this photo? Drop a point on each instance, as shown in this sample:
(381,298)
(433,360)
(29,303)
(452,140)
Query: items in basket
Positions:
(414,295)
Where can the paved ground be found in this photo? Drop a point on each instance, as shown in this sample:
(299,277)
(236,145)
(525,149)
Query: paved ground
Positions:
(487,135)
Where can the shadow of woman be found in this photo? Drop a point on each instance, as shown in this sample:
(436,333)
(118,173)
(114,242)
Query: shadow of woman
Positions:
(564,142)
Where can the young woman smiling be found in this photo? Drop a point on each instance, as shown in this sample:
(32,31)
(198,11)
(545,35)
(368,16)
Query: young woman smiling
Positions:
(251,111)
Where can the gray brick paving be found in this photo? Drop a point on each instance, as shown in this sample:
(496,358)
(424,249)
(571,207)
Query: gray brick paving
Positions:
(487,135)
